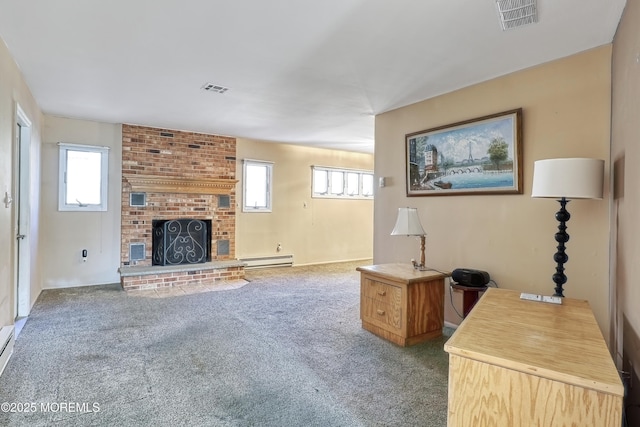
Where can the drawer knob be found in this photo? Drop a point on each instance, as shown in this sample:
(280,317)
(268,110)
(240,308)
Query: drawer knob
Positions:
(382,293)
(380,312)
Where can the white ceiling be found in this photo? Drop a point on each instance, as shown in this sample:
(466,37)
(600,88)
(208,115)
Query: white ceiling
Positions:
(298,71)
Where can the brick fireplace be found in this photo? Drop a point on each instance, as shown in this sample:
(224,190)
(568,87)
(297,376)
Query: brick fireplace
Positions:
(172,175)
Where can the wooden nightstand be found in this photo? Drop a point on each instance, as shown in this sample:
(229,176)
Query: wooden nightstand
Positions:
(402,304)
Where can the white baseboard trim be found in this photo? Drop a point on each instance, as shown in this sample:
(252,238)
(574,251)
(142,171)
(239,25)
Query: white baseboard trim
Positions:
(366,261)
(450,325)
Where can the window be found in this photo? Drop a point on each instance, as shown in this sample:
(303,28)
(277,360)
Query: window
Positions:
(82,178)
(342,183)
(257,186)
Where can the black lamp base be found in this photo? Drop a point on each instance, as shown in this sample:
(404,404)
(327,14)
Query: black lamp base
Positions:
(560,257)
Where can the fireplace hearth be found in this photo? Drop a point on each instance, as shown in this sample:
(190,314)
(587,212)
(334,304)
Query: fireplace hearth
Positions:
(181,241)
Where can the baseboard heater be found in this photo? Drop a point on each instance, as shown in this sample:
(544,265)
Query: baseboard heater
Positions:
(268,261)
(6,346)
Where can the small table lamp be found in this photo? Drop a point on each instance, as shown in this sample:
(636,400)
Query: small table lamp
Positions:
(562,179)
(408,224)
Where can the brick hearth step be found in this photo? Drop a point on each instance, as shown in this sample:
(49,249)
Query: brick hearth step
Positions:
(160,276)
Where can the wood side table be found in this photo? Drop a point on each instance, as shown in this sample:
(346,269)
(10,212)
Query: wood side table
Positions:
(402,304)
(469,296)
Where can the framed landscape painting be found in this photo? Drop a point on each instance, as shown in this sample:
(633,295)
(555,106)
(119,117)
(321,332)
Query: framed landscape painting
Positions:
(479,156)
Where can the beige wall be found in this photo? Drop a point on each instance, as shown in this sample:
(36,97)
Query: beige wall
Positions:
(66,234)
(13,89)
(313,230)
(566,110)
(324,231)
(625,156)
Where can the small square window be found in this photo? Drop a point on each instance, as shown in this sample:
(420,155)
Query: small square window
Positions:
(257,177)
(82,179)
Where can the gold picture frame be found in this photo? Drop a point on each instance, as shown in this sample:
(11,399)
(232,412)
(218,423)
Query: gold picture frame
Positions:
(478,156)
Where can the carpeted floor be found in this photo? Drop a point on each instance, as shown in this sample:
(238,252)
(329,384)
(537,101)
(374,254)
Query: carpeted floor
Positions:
(287,349)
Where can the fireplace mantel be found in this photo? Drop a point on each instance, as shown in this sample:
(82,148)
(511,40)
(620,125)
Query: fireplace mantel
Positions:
(164,184)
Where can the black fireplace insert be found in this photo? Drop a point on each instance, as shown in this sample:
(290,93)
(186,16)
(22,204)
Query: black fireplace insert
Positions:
(181,241)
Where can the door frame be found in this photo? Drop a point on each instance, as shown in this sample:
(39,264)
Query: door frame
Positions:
(22,213)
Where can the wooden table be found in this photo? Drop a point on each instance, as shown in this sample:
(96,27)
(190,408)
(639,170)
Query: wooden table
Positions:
(525,363)
(402,304)
(470,295)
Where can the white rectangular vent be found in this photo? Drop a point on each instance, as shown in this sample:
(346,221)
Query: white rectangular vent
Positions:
(210,87)
(516,13)
(137,251)
(224,201)
(138,199)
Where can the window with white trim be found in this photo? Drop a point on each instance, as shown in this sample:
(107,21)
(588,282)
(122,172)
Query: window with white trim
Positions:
(82,177)
(338,183)
(257,180)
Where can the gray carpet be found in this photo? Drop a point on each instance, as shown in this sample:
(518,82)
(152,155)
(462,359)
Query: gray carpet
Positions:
(285,350)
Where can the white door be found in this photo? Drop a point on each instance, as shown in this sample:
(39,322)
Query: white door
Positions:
(21,214)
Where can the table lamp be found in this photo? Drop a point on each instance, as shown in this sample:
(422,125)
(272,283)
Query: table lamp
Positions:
(564,179)
(408,224)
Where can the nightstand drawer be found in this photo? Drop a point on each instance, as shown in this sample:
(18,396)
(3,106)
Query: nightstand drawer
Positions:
(379,313)
(381,291)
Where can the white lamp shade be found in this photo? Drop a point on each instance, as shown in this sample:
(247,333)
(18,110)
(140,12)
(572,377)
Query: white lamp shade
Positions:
(573,178)
(408,223)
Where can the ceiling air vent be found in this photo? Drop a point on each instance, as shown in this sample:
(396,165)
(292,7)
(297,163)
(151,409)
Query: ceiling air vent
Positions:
(210,87)
(516,13)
